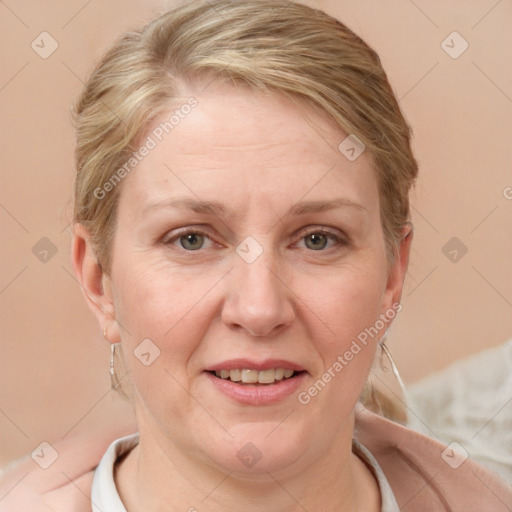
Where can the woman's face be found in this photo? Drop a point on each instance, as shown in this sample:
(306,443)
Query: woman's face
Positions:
(247,244)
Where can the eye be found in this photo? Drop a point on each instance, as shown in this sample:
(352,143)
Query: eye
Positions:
(316,241)
(192,241)
(188,239)
(320,239)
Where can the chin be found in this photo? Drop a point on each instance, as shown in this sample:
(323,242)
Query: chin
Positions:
(257,449)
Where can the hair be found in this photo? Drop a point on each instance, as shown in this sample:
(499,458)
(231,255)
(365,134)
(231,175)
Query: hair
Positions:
(269,45)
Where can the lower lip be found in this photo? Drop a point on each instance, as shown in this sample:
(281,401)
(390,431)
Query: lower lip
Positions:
(257,394)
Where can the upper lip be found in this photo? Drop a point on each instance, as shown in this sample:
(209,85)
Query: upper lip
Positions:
(248,364)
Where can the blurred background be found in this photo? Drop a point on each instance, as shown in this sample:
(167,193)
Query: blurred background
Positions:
(449,63)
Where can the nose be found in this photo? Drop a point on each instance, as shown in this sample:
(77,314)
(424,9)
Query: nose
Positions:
(258,299)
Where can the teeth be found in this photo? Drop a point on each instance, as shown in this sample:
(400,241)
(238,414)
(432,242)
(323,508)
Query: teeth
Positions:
(249,376)
(266,376)
(235,375)
(255,376)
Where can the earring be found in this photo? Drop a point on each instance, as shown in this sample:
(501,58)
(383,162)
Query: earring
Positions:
(116,354)
(112,369)
(114,380)
(385,351)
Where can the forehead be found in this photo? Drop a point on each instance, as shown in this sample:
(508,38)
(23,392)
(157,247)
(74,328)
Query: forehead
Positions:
(242,147)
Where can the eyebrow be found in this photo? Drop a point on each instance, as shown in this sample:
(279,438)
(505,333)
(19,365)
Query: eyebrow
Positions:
(219,210)
(320,206)
(196,205)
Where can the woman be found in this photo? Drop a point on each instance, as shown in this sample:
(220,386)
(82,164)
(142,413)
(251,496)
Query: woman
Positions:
(242,231)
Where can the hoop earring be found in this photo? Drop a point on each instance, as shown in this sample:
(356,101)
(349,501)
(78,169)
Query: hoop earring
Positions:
(385,351)
(114,380)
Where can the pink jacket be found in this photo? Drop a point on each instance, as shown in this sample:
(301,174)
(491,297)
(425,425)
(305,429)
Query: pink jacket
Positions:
(425,475)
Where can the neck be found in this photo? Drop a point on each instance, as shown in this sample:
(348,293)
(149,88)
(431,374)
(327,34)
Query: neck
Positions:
(156,476)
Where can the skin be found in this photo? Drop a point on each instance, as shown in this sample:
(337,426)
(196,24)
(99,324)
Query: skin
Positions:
(257,155)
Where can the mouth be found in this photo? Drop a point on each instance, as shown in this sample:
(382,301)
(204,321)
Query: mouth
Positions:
(258,383)
(256,377)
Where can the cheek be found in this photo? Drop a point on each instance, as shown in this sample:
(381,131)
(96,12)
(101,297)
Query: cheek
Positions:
(151,294)
(348,302)
(173,311)
(345,314)
(346,341)
(166,306)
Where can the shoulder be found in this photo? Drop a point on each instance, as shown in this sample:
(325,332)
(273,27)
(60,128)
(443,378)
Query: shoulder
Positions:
(66,484)
(427,475)
(26,491)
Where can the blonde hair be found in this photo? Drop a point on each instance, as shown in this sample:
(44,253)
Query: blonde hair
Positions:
(269,45)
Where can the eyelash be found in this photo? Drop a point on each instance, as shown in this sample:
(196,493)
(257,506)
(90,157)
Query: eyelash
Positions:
(340,241)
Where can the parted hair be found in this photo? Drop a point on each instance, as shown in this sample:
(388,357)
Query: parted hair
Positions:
(269,45)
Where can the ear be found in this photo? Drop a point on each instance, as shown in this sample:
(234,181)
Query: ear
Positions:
(95,283)
(398,269)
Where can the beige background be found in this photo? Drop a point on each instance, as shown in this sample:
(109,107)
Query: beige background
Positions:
(54,363)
